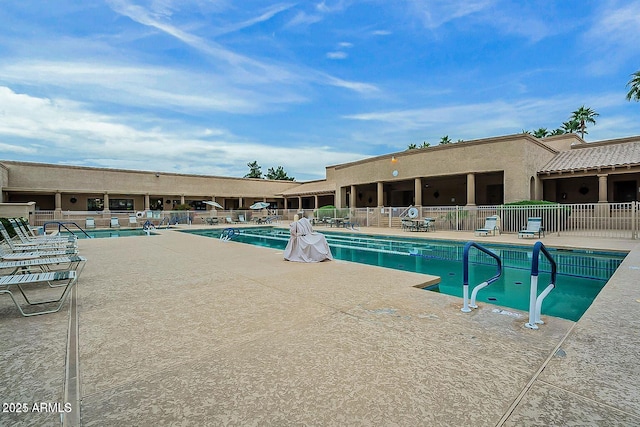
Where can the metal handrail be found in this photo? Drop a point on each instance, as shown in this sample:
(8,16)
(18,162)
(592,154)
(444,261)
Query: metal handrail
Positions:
(535,300)
(465,285)
(61,224)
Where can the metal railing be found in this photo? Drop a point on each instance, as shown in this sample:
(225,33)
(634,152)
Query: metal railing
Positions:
(469,304)
(535,300)
(610,220)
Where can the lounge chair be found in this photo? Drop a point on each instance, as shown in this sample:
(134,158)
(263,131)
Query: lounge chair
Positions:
(133,221)
(241,219)
(428,224)
(229,220)
(491,226)
(43,265)
(115,222)
(534,226)
(90,222)
(34,247)
(53,279)
(26,237)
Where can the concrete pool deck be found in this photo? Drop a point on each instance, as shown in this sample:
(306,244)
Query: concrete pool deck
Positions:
(178,329)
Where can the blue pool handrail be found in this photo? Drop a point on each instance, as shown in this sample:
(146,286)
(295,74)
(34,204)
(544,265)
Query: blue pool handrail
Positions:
(535,300)
(229,233)
(63,224)
(467,306)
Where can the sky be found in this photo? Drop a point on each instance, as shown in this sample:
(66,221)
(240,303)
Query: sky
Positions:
(208,86)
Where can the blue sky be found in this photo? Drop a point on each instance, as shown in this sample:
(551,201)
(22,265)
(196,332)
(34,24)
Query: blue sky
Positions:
(205,87)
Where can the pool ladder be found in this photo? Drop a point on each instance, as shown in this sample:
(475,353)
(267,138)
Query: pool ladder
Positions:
(469,304)
(229,233)
(535,300)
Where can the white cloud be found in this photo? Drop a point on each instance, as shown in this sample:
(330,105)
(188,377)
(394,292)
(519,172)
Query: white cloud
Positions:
(337,55)
(70,130)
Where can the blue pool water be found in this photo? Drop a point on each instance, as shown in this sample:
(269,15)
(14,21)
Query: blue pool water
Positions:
(581,273)
(106,233)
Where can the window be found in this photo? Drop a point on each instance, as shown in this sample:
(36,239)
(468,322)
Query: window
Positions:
(121,204)
(95,204)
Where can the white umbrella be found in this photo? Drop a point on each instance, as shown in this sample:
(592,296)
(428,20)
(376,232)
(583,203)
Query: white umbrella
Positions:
(214,204)
(259,205)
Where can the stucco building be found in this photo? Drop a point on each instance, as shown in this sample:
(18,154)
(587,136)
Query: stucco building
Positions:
(488,171)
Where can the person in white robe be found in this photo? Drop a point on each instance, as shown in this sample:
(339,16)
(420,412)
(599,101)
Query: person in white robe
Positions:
(306,245)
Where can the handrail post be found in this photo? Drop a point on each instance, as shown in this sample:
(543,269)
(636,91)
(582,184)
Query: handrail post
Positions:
(535,301)
(466,305)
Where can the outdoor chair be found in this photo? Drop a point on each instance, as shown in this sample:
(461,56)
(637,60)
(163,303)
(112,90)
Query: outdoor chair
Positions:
(408,224)
(534,226)
(64,279)
(428,224)
(491,226)
(90,222)
(115,222)
(133,221)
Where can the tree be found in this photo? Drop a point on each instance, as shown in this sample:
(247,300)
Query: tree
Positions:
(425,144)
(555,132)
(412,146)
(634,87)
(583,116)
(445,140)
(570,126)
(279,174)
(541,133)
(254,170)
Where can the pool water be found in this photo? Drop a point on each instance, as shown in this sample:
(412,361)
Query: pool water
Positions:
(581,273)
(106,233)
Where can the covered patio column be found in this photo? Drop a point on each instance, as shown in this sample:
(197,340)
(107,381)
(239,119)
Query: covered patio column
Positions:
(299,203)
(417,190)
(602,188)
(315,201)
(285,203)
(380,192)
(58,201)
(105,197)
(147,202)
(471,189)
(352,197)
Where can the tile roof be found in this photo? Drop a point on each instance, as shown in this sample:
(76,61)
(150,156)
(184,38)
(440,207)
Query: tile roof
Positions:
(594,157)
(313,187)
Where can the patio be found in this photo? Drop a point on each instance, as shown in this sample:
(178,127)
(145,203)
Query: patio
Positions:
(183,329)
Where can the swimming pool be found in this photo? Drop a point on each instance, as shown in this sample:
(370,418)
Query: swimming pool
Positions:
(581,273)
(107,232)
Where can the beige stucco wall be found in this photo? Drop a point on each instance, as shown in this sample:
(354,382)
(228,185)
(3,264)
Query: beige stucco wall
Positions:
(44,178)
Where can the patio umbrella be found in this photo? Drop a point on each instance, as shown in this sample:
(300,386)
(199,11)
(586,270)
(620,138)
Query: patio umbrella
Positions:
(259,205)
(214,204)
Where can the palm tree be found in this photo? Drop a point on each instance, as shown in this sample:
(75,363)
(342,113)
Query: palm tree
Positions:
(634,87)
(583,116)
(445,140)
(425,144)
(555,132)
(571,126)
(541,133)
(412,146)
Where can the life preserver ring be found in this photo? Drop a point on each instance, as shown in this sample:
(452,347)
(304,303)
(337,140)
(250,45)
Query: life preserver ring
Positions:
(413,213)
(139,214)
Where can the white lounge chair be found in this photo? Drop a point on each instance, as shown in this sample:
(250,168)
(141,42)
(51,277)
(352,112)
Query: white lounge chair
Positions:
(115,222)
(491,226)
(64,279)
(534,226)
(90,222)
(133,221)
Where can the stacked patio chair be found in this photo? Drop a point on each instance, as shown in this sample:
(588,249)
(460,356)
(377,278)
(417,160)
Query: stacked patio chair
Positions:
(34,268)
